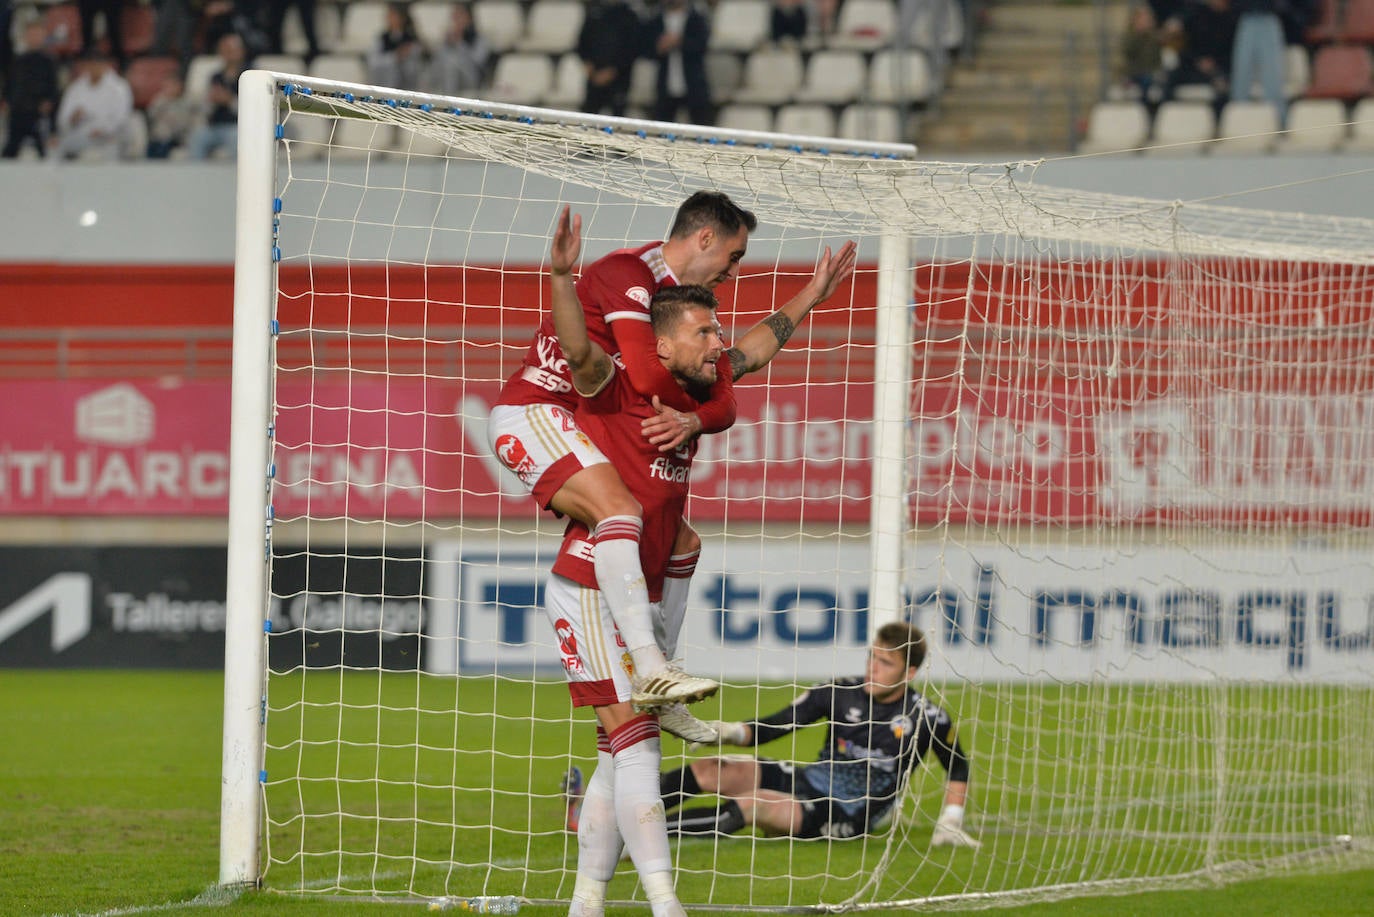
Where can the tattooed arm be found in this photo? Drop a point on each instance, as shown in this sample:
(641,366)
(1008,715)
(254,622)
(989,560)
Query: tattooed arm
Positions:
(762,342)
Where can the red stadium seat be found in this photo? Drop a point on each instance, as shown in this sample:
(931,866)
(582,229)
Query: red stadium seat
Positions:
(1357,25)
(139,22)
(1341,72)
(146,76)
(64,29)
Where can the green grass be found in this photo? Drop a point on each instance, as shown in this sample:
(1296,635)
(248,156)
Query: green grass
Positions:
(109,798)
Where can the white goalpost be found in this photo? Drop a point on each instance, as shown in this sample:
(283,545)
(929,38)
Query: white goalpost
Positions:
(1110,454)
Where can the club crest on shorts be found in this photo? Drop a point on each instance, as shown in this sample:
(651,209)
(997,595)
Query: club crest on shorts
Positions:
(514,455)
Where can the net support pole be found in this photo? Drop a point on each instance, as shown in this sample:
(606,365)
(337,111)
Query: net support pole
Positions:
(891,399)
(249,478)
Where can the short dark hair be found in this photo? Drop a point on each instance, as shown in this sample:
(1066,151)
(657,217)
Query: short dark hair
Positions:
(905,638)
(670,303)
(711,208)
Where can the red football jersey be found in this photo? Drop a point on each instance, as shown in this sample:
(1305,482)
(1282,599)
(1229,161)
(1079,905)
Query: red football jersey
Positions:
(658,480)
(615,292)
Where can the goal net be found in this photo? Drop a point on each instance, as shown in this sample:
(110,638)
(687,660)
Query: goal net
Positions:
(1112,455)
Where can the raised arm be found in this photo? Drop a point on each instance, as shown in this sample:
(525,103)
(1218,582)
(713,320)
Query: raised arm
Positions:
(590,365)
(762,342)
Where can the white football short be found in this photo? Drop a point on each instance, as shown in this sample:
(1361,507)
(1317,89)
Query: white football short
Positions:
(593,654)
(542,444)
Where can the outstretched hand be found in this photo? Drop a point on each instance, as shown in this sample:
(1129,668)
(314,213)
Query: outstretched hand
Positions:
(566,247)
(833,270)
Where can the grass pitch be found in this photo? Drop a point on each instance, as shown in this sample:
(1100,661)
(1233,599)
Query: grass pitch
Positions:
(110,804)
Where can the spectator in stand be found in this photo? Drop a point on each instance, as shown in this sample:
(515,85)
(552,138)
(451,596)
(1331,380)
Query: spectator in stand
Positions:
(1203,38)
(1258,50)
(31,93)
(6,42)
(1141,65)
(275,20)
(678,33)
(825,16)
(221,128)
(96,111)
(171,116)
(608,45)
(114,29)
(789,22)
(461,61)
(397,57)
(221,17)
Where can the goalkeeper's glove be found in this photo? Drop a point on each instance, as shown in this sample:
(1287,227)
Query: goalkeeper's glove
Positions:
(726,734)
(949,829)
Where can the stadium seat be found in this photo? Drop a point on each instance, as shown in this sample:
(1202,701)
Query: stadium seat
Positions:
(833,77)
(1357,23)
(1326,24)
(146,76)
(432,18)
(1341,72)
(346,68)
(198,73)
(745,117)
(724,72)
(328,29)
(1315,126)
(1115,126)
(1361,139)
(771,76)
(1182,128)
(644,84)
(900,77)
(281,63)
(1297,71)
(806,120)
(363,22)
(569,83)
(740,25)
(357,139)
(552,26)
(64,29)
(138,21)
(877,123)
(865,25)
(922,33)
(521,78)
(1246,127)
(500,22)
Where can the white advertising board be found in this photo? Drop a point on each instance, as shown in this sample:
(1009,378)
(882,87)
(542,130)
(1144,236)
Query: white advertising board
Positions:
(795,609)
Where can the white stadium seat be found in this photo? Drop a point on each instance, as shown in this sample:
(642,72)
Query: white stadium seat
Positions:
(1315,126)
(806,120)
(1182,128)
(569,83)
(501,23)
(745,117)
(865,25)
(363,22)
(1246,127)
(771,76)
(899,77)
(835,77)
(552,26)
(521,78)
(878,123)
(1112,126)
(740,25)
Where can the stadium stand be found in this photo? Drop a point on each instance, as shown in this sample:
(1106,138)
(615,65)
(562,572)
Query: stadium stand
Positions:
(1246,127)
(1116,125)
(748,25)
(1315,126)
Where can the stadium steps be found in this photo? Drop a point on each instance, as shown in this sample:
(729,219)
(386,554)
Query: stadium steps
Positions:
(1029,83)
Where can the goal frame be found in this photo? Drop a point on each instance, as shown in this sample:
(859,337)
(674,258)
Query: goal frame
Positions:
(250,516)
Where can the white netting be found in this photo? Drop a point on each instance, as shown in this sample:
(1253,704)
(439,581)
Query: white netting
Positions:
(1139,511)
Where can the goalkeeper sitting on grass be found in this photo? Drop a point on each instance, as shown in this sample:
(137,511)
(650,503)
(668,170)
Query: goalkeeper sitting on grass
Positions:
(879,728)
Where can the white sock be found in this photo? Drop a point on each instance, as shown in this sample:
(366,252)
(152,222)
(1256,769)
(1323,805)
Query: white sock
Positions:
(598,834)
(621,578)
(658,888)
(677,587)
(638,807)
